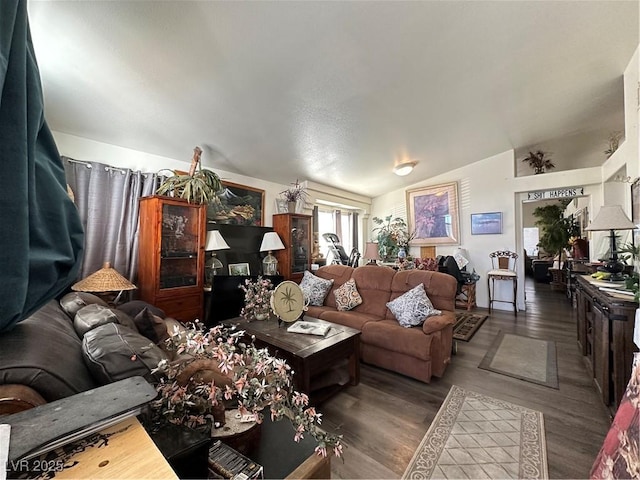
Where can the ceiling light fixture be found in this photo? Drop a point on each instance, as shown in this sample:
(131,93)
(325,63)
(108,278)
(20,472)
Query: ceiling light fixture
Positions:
(404,168)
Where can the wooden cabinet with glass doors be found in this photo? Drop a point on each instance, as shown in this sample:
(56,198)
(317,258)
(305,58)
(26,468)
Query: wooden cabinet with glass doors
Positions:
(171,256)
(294,230)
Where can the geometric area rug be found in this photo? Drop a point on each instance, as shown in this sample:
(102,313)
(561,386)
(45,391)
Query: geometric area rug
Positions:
(525,358)
(477,436)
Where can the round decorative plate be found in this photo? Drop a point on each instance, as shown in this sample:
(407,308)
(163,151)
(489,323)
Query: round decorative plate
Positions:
(287,301)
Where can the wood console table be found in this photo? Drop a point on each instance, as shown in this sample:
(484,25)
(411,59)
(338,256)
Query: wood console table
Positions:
(605,325)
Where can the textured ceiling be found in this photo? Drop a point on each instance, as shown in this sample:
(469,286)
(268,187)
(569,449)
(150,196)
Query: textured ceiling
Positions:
(333,92)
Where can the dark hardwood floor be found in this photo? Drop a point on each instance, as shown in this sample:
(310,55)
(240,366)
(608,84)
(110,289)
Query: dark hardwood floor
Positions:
(384,418)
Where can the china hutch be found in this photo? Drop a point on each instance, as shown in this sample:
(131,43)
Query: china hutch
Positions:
(171,256)
(294,230)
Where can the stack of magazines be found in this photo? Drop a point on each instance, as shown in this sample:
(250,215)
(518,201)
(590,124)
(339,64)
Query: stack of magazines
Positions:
(225,462)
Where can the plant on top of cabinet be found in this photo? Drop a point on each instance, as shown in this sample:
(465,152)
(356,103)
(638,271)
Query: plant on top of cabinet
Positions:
(539,161)
(198,186)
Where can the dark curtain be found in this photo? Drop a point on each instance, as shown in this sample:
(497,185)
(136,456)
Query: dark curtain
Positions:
(41,237)
(108,201)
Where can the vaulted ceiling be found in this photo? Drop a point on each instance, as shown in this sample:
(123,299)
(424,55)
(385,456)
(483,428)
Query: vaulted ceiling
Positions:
(333,92)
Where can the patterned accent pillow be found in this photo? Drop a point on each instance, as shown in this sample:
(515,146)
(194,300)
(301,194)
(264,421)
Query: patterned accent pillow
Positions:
(315,288)
(347,296)
(413,307)
(427,264)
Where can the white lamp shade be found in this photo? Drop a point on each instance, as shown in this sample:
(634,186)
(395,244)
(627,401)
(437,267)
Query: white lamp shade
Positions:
(215,241)
(611,217)
(461,256)
(271,241)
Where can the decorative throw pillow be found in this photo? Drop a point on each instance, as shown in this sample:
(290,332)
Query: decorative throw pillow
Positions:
(347,296)
(113,352)
(134,307)
(72,302)
(413,307)
(315,288)
(94,315)
(151,326)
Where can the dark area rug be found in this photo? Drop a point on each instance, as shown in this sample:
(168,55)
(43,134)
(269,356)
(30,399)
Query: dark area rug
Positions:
(529,359)
(467,324)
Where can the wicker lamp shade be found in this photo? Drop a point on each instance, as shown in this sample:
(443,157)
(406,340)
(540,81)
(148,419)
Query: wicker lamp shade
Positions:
(106,279)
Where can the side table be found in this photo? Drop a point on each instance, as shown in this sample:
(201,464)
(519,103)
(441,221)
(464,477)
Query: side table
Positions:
(467,297)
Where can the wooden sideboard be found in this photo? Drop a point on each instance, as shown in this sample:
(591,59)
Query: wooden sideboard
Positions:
(605,324)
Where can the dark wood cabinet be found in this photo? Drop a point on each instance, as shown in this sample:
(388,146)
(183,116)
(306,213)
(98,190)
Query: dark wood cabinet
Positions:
(295,232)
(171,256)
(605,325)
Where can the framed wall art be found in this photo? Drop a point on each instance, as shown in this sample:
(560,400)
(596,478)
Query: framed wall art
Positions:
(433,214)
(486,223)
(237,205)
(239,269)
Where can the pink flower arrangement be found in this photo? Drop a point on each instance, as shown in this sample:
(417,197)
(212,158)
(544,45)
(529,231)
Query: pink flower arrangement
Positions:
(219,366)
(257,297)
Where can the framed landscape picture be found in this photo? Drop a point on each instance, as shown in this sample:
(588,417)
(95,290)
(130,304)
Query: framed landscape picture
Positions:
(433,214)
(486,223)
(237,205)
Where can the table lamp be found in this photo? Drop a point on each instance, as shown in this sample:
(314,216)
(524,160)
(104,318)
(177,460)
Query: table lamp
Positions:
(270,242)
(213,242)
(104,283)
(612,217)
(461,256)
(371,252)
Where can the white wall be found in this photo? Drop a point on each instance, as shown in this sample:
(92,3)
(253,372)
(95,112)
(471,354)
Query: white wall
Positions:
(84,149)
(489,185)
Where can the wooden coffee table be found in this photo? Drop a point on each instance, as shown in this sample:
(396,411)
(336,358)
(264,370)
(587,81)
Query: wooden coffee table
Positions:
(308,355)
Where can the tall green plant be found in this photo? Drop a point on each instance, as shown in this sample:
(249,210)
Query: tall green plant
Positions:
(556,228)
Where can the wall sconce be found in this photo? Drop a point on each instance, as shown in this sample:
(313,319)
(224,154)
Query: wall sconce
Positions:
(404,168)
(271,241)
(213,242)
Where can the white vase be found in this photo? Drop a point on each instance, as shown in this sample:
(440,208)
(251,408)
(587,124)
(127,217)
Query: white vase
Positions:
(261,316)
(291,206)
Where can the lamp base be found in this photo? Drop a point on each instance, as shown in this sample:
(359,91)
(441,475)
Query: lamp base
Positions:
(615,268)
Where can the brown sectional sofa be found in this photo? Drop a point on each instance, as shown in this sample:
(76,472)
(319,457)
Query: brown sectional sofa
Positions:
(418,352)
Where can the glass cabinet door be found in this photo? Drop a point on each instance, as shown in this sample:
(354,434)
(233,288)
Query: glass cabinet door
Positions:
(179,246)
(300,236)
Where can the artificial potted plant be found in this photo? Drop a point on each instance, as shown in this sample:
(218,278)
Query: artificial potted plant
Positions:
(539,161)
(393,236)
(220,368)
(198,186)
(293,194)
(557,230)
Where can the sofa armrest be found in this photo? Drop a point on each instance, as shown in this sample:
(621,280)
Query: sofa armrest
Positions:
(438,322)
(15,398)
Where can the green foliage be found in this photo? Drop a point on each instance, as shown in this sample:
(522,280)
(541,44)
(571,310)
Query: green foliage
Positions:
(556,229)
(391,233)
(201,187)
(539,161)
